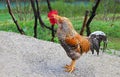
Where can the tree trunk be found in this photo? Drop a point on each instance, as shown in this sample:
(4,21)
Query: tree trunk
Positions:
(35,15)
(93,13)
(15,21)
(84,23)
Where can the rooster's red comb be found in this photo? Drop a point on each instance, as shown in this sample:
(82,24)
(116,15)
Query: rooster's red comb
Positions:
(51,17)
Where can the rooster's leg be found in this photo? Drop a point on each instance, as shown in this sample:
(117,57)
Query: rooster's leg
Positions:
(71,67)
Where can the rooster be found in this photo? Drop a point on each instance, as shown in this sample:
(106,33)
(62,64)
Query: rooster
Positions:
(73,43)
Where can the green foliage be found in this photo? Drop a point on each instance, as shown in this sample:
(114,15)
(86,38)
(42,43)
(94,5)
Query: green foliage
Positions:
(108,6)
(66,8)
(113,43)
(69,9)
(23,11)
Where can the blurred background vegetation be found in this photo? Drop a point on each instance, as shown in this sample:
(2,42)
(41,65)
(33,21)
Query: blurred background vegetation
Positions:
(106,20)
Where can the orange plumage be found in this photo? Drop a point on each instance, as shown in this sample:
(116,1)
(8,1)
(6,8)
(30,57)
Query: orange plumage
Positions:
(73,43)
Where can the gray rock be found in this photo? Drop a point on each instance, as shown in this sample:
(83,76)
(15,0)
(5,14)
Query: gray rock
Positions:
(24,56)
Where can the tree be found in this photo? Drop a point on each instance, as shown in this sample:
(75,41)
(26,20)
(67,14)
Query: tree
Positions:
(13,17)
(93,13)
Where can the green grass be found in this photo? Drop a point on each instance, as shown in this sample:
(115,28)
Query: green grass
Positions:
(6,24)
(114,43)
(4,17)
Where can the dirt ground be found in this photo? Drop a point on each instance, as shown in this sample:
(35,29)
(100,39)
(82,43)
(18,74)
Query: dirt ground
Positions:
(23,56)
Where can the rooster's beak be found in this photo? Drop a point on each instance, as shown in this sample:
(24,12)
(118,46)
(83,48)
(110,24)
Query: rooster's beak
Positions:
(58,18)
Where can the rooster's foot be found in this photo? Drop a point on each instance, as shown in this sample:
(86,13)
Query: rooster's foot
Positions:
(71,67)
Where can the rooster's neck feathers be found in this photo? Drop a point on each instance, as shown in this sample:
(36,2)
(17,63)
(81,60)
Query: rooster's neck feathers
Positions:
(66,27)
